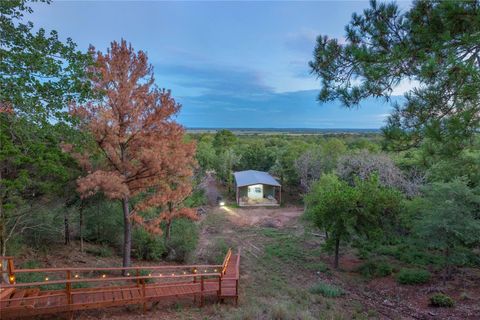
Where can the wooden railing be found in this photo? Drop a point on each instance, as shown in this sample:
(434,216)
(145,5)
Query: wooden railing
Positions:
(107,280)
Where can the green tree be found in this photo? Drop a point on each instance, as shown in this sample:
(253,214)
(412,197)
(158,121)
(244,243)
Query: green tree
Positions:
(224,139)
(39,75)
(448,220)
(345,211)
(434,43)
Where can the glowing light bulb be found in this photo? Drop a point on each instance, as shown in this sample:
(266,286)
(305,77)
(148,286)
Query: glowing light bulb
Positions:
(46,279)
(128,274)
(149,274)
(173,274)
(184,272)
(104,275)
(194,270)
(76,276)
(11,278)
(215,270)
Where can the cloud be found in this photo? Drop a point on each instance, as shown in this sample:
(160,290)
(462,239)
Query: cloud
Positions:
(217,80)
(302,40)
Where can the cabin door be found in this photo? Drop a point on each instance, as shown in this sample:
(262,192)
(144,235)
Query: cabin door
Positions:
(255,191)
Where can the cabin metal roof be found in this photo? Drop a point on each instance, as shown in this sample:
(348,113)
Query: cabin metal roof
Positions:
(249,177)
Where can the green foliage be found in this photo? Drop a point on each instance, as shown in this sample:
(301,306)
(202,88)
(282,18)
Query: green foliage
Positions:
(413,276)
(442,301)
(317,266)
(184,238)
(375,269)
(345,211)
(102,222)
(448,220)
(327,290)
(223,140)
(40,75)
(196,199)
(147,246)
(433,42)
(100,251)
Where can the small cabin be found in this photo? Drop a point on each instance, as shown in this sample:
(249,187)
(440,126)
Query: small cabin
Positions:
(257,188)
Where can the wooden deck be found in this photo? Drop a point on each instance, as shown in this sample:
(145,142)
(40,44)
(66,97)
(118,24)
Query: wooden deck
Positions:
(94,288)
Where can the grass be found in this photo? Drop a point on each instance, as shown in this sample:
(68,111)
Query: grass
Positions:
(413,276)
(375,269)
(442,301)
(327,290)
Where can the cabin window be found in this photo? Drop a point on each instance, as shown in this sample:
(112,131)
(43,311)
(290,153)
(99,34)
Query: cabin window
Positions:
(258,190)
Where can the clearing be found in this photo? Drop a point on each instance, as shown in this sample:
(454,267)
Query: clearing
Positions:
(281,262)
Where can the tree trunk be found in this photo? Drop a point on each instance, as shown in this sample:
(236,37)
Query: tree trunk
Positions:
(67,227)
(127,238)
(3,231)
(81,226)
(168,230)
(337,245)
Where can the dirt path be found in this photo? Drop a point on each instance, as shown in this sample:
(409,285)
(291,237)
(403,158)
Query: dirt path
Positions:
(209,184)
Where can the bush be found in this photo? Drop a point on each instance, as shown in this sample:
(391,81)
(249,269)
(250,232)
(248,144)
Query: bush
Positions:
(375,269)
(413,276)
(101,251)
(327,290)
(441,300)
(146,246)
(184,239)
(196,199)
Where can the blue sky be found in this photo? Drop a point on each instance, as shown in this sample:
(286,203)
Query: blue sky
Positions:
(230,64)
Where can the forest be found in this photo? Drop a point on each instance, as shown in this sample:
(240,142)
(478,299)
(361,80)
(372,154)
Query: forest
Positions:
(92,160)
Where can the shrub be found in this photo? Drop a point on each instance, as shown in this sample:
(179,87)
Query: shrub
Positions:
(413,276)
(101,251)
(317,266)
(196,199)
(441,300)
(327,290)
(147,246)
(184,239)
(374,269)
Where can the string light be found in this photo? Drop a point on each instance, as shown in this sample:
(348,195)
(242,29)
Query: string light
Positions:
(173,274)
(205,270)
(160,274)
(194,270)
(128,274)
(0,264)
(184,272)
(76,276)
(215,270)
(104,275)
(149,274)
(11,278)
(46,279)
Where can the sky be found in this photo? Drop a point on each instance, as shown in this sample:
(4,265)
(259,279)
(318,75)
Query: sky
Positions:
(230,64)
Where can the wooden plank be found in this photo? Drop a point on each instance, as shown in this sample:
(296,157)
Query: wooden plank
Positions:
(118,295)
(126,294)
(108,296)
(31,293)
(135,293)
(17,295)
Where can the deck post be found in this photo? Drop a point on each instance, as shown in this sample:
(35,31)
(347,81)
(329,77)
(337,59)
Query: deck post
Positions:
(68,287)
(194,281)
(11,271)
(201,292)
(219,287)
(144,296)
